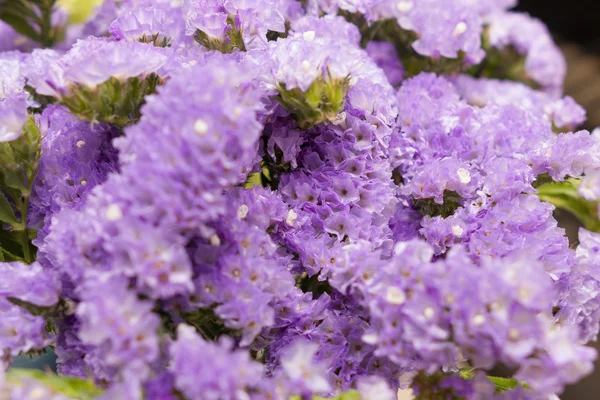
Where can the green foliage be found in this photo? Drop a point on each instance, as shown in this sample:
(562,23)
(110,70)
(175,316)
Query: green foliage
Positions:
(564,195)
(348,395)
(32,19)
(452,201)
(18,168)
(114,101)
(234,42)
(71,387)
(322,102)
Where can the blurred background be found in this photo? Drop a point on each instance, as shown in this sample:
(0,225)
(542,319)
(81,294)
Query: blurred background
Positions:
(576,27)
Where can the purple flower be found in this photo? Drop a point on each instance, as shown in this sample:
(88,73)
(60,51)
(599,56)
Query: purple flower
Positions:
(30,283)
(297,363)
(13,114)
(93,61)
(230,374)
(121,327)
(144,23)
(384,54)
(544,63)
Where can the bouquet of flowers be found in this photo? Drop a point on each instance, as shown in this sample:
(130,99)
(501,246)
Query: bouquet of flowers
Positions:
(284,199)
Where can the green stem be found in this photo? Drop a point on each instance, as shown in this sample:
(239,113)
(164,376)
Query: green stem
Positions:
(46,38)
(25,236)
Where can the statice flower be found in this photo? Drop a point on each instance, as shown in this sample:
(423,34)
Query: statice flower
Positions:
(76,156)
(95,60)
(121,328)
(159,25)
(581,306)
(9,37)
(544,63)
(564,113)
(384,54)
(13,114)
(273,199)
(231,373)
(328,26)
(229,25)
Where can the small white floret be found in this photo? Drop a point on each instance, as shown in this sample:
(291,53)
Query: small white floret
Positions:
(460,28)
(404,6)
(457,230)
(309,35)
(242,211)
(395,295)
(201,127)
(464,176)
(291,217)
(114,213)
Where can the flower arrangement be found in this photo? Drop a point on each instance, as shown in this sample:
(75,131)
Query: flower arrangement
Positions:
(291,200)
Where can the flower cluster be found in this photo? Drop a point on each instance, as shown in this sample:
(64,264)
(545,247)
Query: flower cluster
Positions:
(274,199)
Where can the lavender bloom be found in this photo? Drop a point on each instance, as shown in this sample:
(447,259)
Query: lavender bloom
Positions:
(398,232)
(230,374)
(76,156)
(32,389)
(20,331)
(385,56)
(120,327)
(329,26)
(9,37)
(298,365)
(142,24)
(43,73)
(529,37)
(581,305)
(94,61)
(589,187)
(30,283)
(251,20)
(564,113)
(13,114)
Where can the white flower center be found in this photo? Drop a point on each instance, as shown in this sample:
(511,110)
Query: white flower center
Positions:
(395,295)
(309,35)
(460,28)
(457,230)
(478,319)
(215,240)
(305,65)
(80,144)
(242,211)
(114,213)
(404,6)
(464,176)
(201,127)
(428,312)
(291,217)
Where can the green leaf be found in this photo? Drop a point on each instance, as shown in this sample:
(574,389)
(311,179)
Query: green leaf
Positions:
(503,384)
(74,388)
(564,195)
(349,395)
(18,22)
(6,211)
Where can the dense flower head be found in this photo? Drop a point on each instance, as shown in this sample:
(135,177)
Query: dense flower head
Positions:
(529,37)
(230,374)
(272,199)
(150,24)
(93,61)
(219,19)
